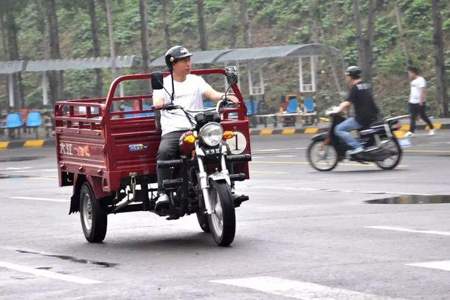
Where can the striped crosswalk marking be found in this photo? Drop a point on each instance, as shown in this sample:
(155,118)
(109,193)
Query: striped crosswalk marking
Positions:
(296,289)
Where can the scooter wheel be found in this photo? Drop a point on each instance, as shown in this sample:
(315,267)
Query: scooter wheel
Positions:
(322,157)
(392,161)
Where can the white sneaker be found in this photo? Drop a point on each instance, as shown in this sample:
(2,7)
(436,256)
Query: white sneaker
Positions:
(163,198)
(409,134)
(431,132)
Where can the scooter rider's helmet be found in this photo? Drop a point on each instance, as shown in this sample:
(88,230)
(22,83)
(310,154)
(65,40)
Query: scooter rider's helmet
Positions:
(174,54)
(354,72)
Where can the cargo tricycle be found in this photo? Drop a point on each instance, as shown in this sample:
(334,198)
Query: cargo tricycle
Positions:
(107,149)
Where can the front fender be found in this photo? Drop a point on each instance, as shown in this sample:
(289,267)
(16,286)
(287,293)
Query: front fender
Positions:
(320,137)
(219,176)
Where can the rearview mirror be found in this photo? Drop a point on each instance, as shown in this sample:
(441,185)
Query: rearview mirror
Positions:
(232,75)
(157,81)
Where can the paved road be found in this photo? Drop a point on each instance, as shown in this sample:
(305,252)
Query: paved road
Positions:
(304,234)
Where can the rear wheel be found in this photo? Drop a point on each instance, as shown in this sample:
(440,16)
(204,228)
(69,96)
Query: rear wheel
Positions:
(321,156)
(222,222)
(93,217)
(393,160)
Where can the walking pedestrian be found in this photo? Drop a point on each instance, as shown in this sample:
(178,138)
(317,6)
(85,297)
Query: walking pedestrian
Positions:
(416,103)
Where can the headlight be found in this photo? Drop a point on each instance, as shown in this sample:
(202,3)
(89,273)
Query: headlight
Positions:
(211,134)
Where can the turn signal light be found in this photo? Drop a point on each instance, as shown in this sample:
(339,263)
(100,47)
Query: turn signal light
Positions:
(228,135)
(190,139)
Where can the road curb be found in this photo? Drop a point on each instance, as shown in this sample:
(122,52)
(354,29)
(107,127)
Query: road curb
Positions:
(34,143)
(289,131)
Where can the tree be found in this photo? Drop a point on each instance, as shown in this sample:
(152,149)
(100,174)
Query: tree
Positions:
(13,54)
(112,48)
(144,35)
(95,46)
(365,38)
(245,21)
(56,79)
(165,24)
(234,27)
(201,25)
(438,41)
(403,42)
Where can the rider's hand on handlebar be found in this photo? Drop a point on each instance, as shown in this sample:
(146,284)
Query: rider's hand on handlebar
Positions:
(233,98)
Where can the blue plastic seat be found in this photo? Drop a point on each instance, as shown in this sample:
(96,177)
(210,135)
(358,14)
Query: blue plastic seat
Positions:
(34,119)
(310,105)
(292,106)
(251,107)
(208,104)
(147,114)
(14,120)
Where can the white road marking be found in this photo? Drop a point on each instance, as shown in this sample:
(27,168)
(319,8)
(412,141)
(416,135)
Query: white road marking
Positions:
(43,178)
(15,168)
(296,289)
(308,189)
(269,172)
(37,199)
(439,265)
(280,162)
(276,150)
(48,274)
(402,229)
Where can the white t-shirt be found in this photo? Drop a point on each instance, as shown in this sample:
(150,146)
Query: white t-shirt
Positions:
(416,88)
(188,94)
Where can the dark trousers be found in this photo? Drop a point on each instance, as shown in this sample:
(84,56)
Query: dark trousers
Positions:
(418,110)
(168,149)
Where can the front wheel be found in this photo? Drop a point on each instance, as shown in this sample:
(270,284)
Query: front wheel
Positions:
(222,222)
(94,219)
(393,160)
(321,156)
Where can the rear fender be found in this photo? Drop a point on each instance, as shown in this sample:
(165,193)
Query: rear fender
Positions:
(94,182)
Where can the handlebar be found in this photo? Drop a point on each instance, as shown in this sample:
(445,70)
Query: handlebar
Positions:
(222,103)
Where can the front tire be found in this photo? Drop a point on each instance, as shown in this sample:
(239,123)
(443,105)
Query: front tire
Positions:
(94,220)
(222,222)
(392,161)
(321,156)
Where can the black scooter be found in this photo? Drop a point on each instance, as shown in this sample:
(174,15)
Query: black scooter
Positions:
(380,144)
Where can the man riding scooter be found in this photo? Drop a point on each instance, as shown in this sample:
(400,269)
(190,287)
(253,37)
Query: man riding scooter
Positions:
(187,91)
(366,111)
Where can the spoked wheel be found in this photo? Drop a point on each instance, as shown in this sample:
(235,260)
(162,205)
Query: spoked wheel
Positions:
(222,222)
(93,217)
(321,156)
(392,161)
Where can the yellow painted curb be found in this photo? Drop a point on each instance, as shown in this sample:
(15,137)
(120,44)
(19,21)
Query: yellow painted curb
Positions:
(404,127)
(288,131)
(4,145)
(400,134)
(34,144)
(266,131)
(311,130)
(436,126)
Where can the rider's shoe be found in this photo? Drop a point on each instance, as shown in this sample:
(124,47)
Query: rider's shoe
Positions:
(162,203)
(409,134)
(431,132)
